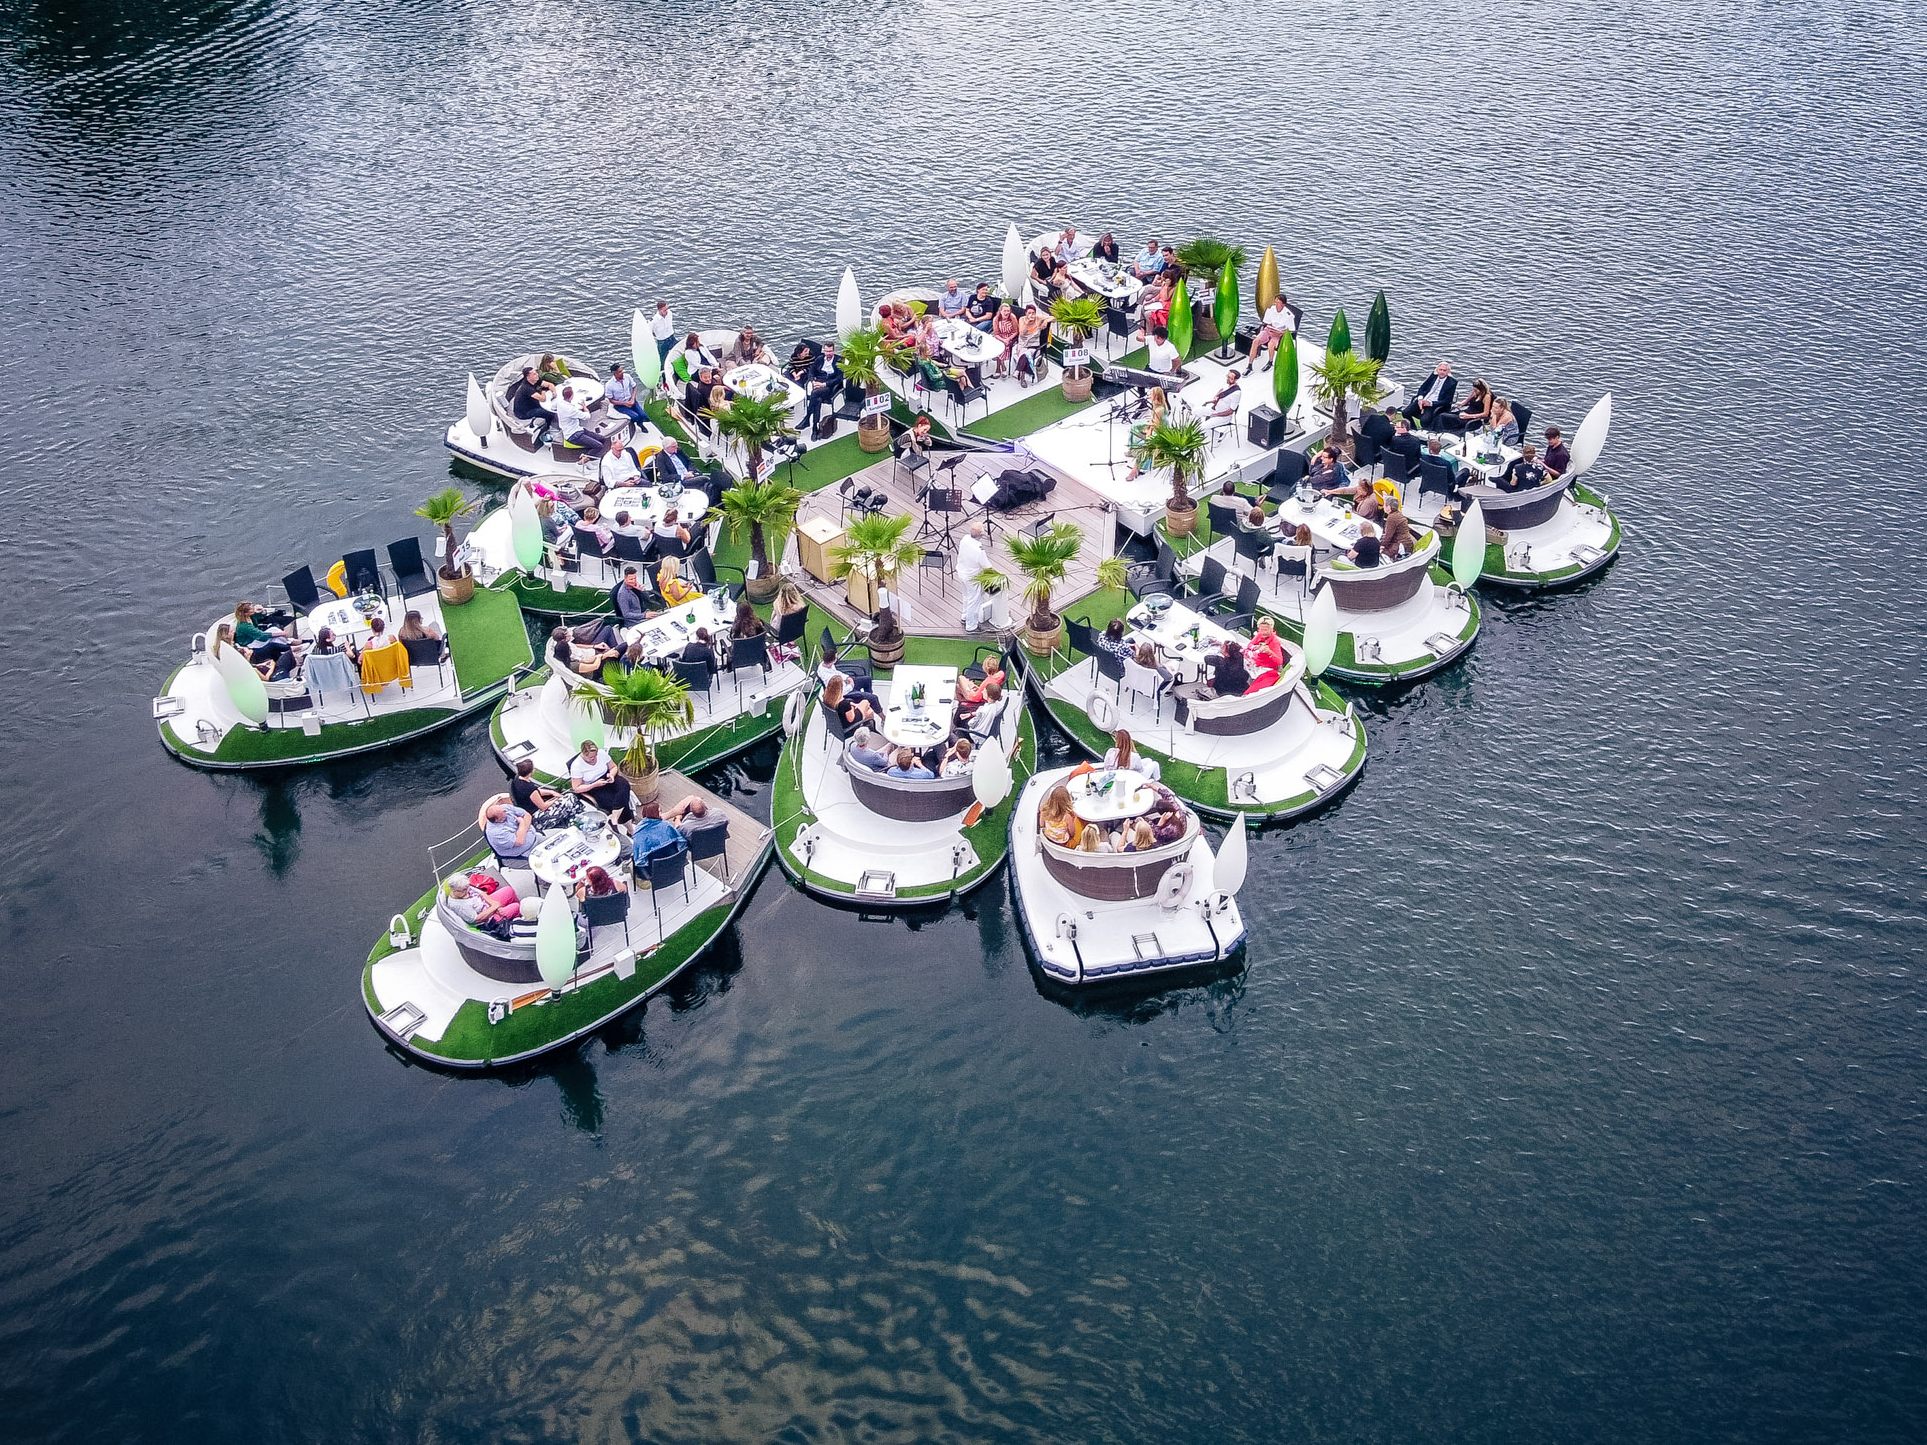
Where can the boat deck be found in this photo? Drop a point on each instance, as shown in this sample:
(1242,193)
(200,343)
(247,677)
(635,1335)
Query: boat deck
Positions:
(748,839)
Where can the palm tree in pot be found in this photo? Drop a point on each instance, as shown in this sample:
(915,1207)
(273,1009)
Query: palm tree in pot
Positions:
(443,510)
(1077,318)
(650,706)
(754,424)
(874,550)
(886,639)
(1204,261)
(1340,375)
(765,512)
(1181,447)
(866,353)
(1043,559)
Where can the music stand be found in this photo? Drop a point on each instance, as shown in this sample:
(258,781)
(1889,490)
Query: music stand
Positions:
(943,500)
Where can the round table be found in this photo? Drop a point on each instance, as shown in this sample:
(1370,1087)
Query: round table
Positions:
(759,381)
(1114,283)
(967,344)
(667,633)
(1129,796)
(931,724)
(588,391)
(346,617)
(1332,524)
(562,856)
(646,504)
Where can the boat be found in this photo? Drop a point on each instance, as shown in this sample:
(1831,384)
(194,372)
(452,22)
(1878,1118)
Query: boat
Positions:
(447,994)
(216,711)
(1397,622)
(848,834)
(1104,918)
(550,711)
(491,439)
(1552,535)
(1287,749)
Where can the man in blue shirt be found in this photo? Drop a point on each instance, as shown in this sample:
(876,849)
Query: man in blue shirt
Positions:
(510,832)
(1148,262)
(951,304)
(864,751)
(908,765)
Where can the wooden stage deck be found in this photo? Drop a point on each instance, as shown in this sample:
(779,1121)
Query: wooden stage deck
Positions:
(932,600)
(747,838)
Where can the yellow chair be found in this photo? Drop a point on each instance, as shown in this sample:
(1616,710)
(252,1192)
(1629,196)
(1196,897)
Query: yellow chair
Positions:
(337,579)
(1388,494)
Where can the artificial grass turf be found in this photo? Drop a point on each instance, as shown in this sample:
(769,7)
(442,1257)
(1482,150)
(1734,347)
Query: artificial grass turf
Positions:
(536,596)
(245,746)
(488,638)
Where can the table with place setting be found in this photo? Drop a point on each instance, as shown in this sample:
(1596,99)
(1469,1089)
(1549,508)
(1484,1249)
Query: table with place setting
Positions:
(563,855)
(1332,523)
(1480,453)
(1111,795)
(920,726)
(648,504)
(1183,637)
(755,379)
(1114,283)
(966,344)
(665,635)
(351,618)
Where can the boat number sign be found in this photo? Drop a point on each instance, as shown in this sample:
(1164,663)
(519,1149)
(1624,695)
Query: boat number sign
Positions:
(876,405)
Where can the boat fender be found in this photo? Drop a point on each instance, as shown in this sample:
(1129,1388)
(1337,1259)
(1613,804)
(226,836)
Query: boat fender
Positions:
(1172,887)
(399,935)
(793,714)
(1102,712)
(1066,926)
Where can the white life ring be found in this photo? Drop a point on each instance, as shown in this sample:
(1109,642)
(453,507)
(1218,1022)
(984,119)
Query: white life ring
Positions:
(1172,887)
(793,714)
(1102,712)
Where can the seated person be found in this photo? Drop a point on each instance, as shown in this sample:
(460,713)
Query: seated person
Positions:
(509,830)
(865,752)
(831,665)
(630,601)
(378,636)
(598,882)
(671,585)
(897,321)
(746,623)
(956,762)
(1435,451)
(525,792)
(981,309)
(1503,423)
(1044,273)
(1558,457)
(1167,826)
(951,301)
(1225,674)
(653,837)
(692,816)
(1474,414)
(1155,308)
(1093,839)
(599,636)
(593,776)
(1365,501)
(1266,649)
(1404,441)
(413,629)
(822,384)
(1149,262)
(271,645)
(483,902)
(1224,405)
(1113,639)
(1161,356)
(1327,473)
(670,465)
(1525,471)
(1125,757)
(970,692)
(529,401)
(1375,426)
(1139,837)
(1397,541)
(700,649)
(573,426)
(1106,249)
(1146,656)
(1056,818)
(1433,399)
(620,389)
(1254,519)
(916,441)
(270,668)
(983,719)
(850,707)
(746,348)
(1069,246)
(908,765)
(671,528)
(1365,551)
(1275,326)
(325,643)
(553,369)
(698,354)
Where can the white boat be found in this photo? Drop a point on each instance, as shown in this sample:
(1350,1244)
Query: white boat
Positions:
(1093,918)
(491,438)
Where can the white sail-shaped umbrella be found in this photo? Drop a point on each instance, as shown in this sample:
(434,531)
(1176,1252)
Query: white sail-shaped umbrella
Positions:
(1008,729)
(243,684)
(1321,631)
(1016,264)
(525,529)
(990,776)
(555,938)
(849,305)
(643,353)
(1204,869)
(1590,440)
(1233,857)
(480,420)
(1468,548)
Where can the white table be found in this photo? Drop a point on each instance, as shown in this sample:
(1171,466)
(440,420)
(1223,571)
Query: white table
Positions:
(587,390)
(1111,796)
(967,344)
(1116,283)
(1332,523)
(346,619)
(930,725)
(759,381)
(646,504)
(1467,448)
(1170,632)
(667,634)
(561,856)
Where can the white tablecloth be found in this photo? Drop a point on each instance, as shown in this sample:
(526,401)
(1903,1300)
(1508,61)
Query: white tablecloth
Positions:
(1171,632)
(667,634)
(561,856)
(967,344)
(1119,285)
(346,619)
(1467,448)
(1332,523)
(647,504)
(1126,796)
(932,725)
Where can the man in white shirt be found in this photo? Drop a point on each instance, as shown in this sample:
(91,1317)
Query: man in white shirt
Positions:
(618,469)
(1162,355)
(572,423)
(1274,328)
(1148,262)
(662,326)
(971,560)
(1070,246)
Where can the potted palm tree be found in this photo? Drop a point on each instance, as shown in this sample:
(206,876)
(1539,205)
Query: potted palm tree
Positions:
(1181,447)
(766,513)
(1043,560)
(866,352)
(1204,261)
(650,705)
(1340,375)
(755,424)
(443,510)
(874,550)
(886,639)
(1078,318)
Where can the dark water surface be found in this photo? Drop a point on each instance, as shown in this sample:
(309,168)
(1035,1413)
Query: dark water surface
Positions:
(1573,1091)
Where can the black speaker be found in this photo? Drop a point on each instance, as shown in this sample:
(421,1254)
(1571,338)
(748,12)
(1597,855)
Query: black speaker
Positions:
(1265,427)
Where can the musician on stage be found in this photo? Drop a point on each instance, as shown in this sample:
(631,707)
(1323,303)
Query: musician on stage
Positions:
(1224,405)
(1163,356)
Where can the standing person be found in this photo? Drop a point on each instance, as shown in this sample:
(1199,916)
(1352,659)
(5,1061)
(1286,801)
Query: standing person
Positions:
(972,560)
(662,326)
